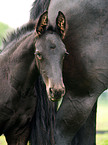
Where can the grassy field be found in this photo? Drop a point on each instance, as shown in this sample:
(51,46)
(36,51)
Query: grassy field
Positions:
(102,117)
(102,121)
(102,139)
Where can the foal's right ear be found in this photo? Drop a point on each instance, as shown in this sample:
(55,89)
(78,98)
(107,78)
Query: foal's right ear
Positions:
(42,23)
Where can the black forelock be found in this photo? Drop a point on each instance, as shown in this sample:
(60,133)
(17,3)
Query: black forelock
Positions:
(50,28)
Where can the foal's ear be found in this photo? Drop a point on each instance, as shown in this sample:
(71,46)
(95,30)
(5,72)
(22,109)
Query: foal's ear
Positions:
(61,24)
(42,23)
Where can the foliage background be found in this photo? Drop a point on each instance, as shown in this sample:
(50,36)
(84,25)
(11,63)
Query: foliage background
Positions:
(4,29)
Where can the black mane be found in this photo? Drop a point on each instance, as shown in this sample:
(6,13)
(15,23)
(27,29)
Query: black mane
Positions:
(16,34)
(39,6)
(44,118)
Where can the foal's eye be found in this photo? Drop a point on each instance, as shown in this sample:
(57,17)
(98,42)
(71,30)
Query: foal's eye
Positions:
(39,55)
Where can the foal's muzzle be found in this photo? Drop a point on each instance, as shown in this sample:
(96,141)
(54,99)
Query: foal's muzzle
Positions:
(55,94)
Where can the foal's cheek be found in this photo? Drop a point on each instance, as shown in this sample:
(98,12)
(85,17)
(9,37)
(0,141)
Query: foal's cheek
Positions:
(37,63)
(45,78)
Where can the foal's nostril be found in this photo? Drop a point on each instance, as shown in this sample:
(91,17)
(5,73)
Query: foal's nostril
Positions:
(61,92)
(51,91)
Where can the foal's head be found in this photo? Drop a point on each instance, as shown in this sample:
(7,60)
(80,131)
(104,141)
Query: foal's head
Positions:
(49,54)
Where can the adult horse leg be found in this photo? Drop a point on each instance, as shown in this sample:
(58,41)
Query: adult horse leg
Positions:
(71,117)
(87,134)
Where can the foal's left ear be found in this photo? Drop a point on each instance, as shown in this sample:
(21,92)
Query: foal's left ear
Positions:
(42,23)
(61,24)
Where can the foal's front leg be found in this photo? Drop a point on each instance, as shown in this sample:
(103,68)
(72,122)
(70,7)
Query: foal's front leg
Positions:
(18,139)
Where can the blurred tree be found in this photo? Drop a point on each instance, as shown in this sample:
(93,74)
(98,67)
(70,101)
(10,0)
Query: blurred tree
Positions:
(4,28)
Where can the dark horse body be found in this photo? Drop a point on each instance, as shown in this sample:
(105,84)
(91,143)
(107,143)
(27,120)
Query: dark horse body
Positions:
(30,49)
(16,92)
(17,99)
(85,69)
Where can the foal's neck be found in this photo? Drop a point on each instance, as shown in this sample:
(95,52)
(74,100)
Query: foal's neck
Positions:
(13,45)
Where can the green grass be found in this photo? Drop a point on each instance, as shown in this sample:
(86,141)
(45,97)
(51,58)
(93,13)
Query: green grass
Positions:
(2,140)
(102,139)
(102,121)
(102,117)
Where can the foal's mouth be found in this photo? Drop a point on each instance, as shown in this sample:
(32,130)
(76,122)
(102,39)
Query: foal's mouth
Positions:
(53,99)
(55,91)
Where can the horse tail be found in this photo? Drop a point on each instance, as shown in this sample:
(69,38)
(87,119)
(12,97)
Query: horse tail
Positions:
(42,132)
(39,6)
